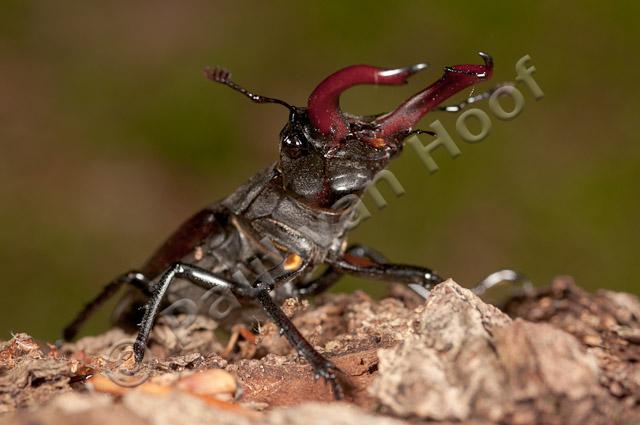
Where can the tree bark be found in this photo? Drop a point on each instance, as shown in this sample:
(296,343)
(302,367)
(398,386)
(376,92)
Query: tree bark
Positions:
(556,356)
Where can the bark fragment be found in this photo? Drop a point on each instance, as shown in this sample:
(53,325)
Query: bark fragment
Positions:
(558,356)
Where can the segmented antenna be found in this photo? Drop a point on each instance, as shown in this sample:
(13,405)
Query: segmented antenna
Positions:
(223,76)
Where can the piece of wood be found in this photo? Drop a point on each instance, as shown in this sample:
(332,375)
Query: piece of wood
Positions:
(557,356)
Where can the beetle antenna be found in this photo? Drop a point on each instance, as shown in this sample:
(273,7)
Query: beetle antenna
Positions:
(223,76)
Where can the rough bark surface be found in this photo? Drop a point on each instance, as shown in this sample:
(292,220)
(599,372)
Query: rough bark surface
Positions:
(556,356)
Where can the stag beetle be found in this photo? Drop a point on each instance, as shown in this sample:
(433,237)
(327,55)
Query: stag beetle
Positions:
(290,219)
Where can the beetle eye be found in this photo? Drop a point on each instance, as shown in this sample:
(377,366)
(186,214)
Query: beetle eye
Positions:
(293,146)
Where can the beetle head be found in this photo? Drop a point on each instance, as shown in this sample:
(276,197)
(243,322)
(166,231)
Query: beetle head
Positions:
(326,154)
(320,171)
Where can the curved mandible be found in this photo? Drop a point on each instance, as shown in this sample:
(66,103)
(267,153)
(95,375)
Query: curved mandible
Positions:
(455,78)
(324,102)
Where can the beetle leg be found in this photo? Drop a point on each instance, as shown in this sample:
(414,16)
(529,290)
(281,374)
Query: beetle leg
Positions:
(505,276)
(322,367)
(473,99)
(193,274)
(205,279)
(331,275)
(133,278)
(363,261)
(318,285)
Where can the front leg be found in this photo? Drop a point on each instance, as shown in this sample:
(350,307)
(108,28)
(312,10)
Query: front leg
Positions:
(260,292)
(322,366)
(363,261)
(193,274)
(420,279)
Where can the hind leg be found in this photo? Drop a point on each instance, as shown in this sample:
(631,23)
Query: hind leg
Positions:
(133,278)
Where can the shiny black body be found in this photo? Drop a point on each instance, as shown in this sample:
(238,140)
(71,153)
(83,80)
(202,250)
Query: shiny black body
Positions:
(265,241)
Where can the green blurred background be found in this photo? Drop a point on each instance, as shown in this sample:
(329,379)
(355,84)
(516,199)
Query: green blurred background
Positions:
(110,136)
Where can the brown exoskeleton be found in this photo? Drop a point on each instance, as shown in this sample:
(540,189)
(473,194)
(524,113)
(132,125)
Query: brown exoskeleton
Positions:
(263,242)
